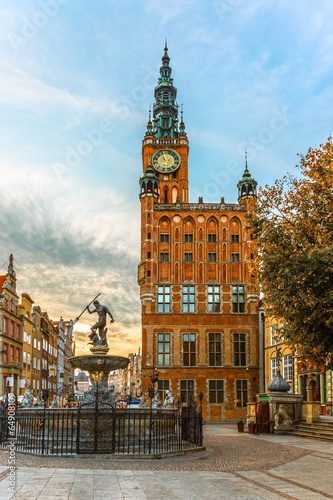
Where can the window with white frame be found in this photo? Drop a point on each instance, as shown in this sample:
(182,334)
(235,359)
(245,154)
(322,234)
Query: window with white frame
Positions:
(275,334)
(163,299)
(38,345)
(238,298)
(213,298)
(35,343)
(163,349)
(274,367)
(188,299)
(288,367)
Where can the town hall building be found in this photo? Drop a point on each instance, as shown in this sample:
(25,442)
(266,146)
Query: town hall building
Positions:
(200,310)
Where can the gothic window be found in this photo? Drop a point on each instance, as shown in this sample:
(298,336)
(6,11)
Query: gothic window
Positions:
(216,391)
(215,349)
(188,238)
(163,349)
(163,299)
(214,301)
(238,299)
(148,255)
(241,393)
(212,257)
(224,234)
(188,257)
(235,238)
(188,299)
(186,390)
(239,345)
(189,349)
(212,238)
(164,238)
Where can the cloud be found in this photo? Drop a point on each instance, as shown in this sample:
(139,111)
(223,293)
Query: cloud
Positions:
(63,257)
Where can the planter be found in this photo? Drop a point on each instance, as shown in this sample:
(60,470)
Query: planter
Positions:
(252,428)
(240,426)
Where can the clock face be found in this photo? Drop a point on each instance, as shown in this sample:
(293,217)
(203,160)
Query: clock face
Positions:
(166,161)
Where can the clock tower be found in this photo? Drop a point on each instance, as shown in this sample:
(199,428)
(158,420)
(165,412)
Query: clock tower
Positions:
(199,298)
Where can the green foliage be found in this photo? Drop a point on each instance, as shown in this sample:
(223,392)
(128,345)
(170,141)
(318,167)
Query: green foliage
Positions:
(292,225)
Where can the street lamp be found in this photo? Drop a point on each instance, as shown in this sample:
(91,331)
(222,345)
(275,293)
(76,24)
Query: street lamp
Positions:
(151,391)
(153,374)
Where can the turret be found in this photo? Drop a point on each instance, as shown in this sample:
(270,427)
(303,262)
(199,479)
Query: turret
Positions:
(247,186)
(149,183)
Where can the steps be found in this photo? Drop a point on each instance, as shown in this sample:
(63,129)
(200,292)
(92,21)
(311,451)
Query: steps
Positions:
(318,430)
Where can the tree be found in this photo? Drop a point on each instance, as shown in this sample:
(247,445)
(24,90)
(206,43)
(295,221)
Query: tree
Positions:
(292,226)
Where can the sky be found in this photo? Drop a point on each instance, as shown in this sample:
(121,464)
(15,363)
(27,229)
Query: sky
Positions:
(76,82)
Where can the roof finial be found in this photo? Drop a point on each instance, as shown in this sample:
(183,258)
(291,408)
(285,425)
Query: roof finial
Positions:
(11,264)
(246,160)
(181,112)
(166,44)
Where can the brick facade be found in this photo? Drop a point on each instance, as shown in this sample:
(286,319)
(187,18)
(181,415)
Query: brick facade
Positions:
(199,300)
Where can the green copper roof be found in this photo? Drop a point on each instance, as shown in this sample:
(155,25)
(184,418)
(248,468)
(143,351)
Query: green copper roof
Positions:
(247,186)
(165,111)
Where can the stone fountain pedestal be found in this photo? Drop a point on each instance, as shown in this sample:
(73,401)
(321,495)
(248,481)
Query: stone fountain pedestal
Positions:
(99,365)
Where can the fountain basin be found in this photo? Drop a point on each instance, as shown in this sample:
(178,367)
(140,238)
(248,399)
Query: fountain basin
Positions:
(100,363)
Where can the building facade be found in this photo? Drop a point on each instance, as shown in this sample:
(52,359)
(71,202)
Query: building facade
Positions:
(11,343)
(314,383)
(200,322)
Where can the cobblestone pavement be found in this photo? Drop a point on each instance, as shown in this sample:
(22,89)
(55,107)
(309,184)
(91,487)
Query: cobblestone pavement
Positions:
(234,466)
(225,451)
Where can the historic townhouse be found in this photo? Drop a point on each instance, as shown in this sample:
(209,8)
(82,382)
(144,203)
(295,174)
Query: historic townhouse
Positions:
(10,334)
(199,299)
(314,383)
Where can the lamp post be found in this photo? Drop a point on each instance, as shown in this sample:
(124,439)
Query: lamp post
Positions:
(151,390)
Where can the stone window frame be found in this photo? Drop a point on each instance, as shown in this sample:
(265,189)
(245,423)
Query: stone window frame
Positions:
(241,390)
(188,391)
(163,353)
(166,296)
(189,352)
(216,389)
(214,353)
(166,387)
(239,352)
(213,302)
(189,302)
(237,294)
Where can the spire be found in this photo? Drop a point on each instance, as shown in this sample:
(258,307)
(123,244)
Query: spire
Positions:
(165,110)
(247,186)
(11,266)
(182,124)
(149,130)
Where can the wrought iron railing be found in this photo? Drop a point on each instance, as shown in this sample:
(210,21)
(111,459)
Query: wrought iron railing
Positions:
(102,430)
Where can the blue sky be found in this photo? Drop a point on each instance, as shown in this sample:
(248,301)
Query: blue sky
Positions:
(76,81)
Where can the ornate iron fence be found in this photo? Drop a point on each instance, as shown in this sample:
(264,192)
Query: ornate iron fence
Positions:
(91,430)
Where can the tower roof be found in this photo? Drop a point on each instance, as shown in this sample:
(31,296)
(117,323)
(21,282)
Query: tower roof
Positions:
(247,186)
(165,109)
